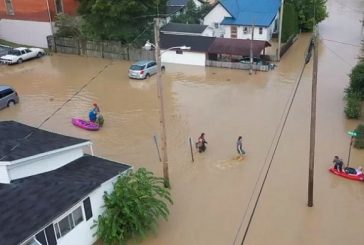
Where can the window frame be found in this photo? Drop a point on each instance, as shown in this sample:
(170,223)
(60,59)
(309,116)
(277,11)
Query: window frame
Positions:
(70,221)
(233,32)
(260,30)
(56,6)
(245,30)
(9,7)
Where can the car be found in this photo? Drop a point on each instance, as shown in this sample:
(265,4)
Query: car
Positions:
(256,60)
(8,96)
(18,55)
(143,69)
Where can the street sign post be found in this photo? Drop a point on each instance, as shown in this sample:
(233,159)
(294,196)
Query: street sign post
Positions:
(352,134)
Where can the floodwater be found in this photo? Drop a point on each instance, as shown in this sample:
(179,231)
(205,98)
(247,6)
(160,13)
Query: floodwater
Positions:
(214,196)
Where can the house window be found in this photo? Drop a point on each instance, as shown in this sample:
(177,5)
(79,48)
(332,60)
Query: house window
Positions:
(69,222)
(59,6)
(9,7)
(245,30)
(216,25)
(260,30)
(233,32)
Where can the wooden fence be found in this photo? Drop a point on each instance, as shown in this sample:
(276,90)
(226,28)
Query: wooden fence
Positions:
(101,49)
(237,65)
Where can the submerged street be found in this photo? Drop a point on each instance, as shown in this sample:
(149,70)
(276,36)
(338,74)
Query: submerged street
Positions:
(215,195)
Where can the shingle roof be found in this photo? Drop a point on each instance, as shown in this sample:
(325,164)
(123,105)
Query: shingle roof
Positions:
(177,2)
(197,43)
(13,133)
(236,46)
(249,12)
(173,9)
(28,204)
(184,28)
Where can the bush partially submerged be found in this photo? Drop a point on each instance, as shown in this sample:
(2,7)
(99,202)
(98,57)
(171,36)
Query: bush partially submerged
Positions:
(353,106)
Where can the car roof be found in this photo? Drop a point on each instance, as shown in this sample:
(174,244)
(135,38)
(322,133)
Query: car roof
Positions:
(20,48)
(143,62)
(2,87)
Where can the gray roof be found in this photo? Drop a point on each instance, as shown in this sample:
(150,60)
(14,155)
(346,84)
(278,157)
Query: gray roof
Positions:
(197,43)
(177,2)
(184,28)
(40,141)
(173,9)
(29,204)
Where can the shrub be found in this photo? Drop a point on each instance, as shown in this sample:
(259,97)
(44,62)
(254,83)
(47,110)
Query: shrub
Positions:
(353,106)
(359,139)
(133,208)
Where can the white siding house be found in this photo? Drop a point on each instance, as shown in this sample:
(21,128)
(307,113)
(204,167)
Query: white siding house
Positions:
(234,19)
(51,191)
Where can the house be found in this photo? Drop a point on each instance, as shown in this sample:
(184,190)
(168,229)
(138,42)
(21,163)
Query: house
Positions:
(30,22)
(186,29)
(203,48)
(51,192)
(175,7)
(244,19)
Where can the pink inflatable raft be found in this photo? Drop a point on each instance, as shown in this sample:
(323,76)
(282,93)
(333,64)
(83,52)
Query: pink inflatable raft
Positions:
(85,124)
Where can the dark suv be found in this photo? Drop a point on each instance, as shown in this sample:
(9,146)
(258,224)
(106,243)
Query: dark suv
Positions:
(8,96)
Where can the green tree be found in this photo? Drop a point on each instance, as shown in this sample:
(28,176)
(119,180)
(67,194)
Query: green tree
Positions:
(356,84)
(68,26)
(133,209)
(309,12)
(122,20)
(290,22)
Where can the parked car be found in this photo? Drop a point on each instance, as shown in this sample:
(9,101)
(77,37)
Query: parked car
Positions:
(143,69)
(18,55)
(8,96)
(256,60)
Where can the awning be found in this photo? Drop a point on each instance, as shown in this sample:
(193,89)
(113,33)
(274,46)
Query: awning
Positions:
(237,46)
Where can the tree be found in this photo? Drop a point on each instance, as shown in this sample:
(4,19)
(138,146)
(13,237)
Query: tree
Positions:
(134,207)
(67,26)
(357,81)
(122,20)
(309,12)
(290,22)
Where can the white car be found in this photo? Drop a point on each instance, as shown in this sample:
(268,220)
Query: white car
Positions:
(18,55)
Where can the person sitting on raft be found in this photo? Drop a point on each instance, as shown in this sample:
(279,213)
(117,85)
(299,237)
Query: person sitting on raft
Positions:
(354,171)
(94,112)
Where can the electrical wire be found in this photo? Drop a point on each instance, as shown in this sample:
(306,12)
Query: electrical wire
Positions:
(274,146)
(53,113)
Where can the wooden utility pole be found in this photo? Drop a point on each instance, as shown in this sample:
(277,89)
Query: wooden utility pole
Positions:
(251,50)
(280,31)
(313,118)
(161,103)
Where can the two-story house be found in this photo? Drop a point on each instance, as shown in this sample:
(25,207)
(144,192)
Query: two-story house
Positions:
(30,22)
(244,19)
(51,192)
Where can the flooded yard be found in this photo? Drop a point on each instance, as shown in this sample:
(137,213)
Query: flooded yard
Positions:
(215,195)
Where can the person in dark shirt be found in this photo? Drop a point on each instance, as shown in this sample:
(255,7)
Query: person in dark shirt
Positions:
(338,164)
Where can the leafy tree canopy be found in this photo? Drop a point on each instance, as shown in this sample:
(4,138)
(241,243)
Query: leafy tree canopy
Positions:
(67,26)
(133,209)
(122,20)
(309,12)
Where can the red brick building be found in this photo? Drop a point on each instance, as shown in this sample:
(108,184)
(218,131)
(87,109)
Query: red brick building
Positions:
(29,22)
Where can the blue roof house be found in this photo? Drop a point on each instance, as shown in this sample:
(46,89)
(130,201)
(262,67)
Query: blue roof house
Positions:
(236,19)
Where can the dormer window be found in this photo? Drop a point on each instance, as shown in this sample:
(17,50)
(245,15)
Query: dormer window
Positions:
(216,25)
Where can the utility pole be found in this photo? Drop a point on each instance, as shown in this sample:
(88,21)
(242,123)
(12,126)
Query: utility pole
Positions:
(161,103)
(280,31)
(313,117)
(251,50)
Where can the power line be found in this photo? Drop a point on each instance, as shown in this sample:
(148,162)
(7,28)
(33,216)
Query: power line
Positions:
(273,146)
(345,43)
(53,113)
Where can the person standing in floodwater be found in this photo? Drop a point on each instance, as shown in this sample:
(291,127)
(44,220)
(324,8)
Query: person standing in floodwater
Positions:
(239,146)
(201,143)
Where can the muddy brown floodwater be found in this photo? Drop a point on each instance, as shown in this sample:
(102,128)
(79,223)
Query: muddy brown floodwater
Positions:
(215,195)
